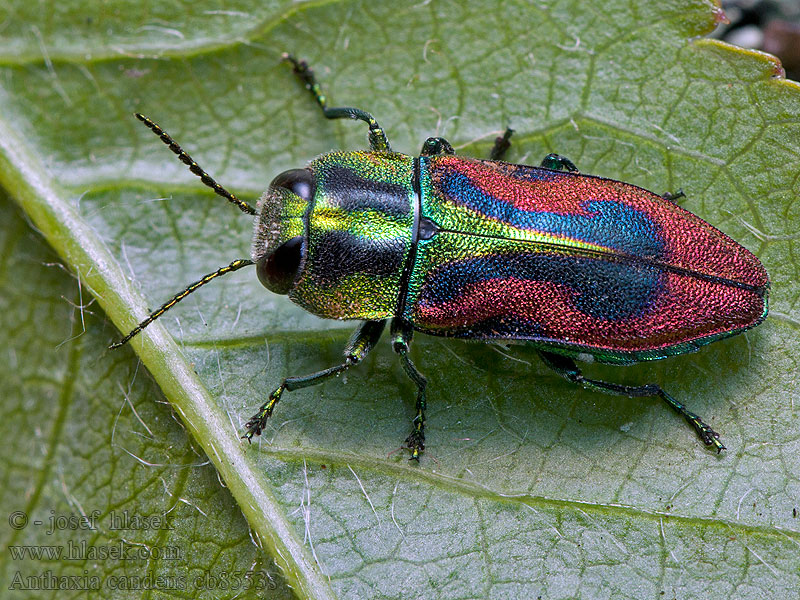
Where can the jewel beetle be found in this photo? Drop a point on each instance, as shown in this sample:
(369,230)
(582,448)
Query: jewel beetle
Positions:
(578,266)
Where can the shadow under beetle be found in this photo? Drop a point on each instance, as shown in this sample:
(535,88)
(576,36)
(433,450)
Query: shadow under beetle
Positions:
(581,267)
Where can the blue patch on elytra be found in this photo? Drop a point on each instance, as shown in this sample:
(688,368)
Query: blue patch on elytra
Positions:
(605,290)
(610,224)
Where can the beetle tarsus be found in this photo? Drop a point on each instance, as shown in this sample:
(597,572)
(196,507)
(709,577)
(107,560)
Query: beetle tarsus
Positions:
(416,441)
(258,421)
(707,435)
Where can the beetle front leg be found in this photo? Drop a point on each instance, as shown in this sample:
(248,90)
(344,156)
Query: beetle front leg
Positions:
(362,341)
(558,163)
(567,368)
(377,136)
(401,341)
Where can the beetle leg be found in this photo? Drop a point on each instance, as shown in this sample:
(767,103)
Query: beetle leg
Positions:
(361,342)
(558,162)
(567,368)
(377,136)
(434,146)
(401,340)
(501,145)
(673,197)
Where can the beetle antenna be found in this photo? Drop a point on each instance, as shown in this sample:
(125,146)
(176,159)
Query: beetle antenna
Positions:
(234,266)
(193,166)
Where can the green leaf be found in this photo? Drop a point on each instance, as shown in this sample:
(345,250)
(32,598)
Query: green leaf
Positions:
(529,486)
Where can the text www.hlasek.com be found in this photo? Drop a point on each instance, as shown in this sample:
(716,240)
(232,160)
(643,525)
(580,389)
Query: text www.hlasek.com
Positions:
(83,551)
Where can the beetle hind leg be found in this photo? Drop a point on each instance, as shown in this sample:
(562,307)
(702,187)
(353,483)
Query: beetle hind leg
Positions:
(401,340)
(362,341)
(567,368)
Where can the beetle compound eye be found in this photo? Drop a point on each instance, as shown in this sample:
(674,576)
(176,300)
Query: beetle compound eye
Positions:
(277,270)
(298,181)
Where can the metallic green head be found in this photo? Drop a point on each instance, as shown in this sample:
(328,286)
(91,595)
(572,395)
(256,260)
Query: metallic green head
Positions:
(336,235)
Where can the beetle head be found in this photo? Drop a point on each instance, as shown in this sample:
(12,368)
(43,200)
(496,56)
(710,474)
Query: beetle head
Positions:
(279,237)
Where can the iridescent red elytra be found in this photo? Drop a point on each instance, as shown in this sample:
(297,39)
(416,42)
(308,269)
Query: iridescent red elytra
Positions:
(579,267)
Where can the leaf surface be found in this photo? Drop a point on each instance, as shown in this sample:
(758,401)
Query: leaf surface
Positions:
(530,486)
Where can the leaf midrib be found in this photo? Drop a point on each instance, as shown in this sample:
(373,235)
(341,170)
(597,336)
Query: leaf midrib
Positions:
(82,248)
